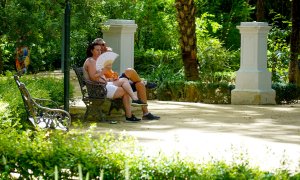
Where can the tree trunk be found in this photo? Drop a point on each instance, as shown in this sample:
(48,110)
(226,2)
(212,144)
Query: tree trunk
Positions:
(260,10)
(294,66)
(187,28)
(1,63)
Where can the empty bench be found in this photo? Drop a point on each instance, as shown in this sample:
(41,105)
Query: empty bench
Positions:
(41,116)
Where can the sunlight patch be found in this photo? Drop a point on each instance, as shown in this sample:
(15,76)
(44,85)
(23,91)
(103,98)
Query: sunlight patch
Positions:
(3,106)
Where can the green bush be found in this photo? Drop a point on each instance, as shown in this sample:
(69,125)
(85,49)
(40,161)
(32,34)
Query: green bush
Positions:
(190,91)
(279,49)
(38,86)
(217,93)
(159,65)
(286,93)
(33,154)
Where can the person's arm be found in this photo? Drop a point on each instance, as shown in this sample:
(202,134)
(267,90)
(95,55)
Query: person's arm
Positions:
(102,78)
(94,74)
(115,76)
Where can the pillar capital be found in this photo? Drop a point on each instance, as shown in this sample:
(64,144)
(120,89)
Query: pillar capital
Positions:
(254,27)
(120,26)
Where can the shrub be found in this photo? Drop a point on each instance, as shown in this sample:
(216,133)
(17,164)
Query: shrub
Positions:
(286,93)
(190,91)
(38,86)
(217,93)
(36,154)
(159,65)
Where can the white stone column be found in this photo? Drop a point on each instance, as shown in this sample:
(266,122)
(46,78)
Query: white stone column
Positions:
(120,37)
(253,80)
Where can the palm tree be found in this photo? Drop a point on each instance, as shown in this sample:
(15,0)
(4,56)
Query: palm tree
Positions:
(187,28)
(260,10)
(294,67)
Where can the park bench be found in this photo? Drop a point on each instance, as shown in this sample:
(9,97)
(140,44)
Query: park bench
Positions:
(94,96)
(41,116)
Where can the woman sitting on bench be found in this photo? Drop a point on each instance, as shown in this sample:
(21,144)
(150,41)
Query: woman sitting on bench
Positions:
(116,89)
(135,81)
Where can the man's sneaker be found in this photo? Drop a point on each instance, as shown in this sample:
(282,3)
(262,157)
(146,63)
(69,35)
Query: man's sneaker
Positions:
(138,103)
(151,85)
(150,116)
(132,119)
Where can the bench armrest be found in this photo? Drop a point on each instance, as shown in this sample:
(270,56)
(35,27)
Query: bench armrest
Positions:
(46,102)
(46,117)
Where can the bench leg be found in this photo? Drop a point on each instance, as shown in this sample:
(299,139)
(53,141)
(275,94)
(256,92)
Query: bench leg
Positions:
(116,104)
(94,112)
(94,109)
(86,113)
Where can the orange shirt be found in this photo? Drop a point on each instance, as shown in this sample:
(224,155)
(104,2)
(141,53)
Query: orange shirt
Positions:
(111,74)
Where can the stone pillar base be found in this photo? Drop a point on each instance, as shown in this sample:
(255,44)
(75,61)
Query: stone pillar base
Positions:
(253,97)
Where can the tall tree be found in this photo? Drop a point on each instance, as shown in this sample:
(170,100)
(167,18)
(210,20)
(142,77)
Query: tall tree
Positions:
(2,26)
(260,10)
(294,66)
(187,28)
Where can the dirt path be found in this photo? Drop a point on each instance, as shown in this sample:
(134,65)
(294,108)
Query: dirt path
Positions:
(269,136)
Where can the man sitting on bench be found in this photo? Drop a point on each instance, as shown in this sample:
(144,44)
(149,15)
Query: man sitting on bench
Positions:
(136,83)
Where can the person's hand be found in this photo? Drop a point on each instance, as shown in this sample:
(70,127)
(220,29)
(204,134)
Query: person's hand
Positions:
(100,72)
(108,49)
(115,78)
(102,79)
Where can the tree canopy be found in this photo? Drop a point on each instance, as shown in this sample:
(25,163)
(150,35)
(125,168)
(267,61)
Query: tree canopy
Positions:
(39,24)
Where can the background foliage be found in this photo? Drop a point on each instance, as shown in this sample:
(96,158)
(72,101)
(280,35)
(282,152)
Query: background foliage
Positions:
(108,156)
(38,24)
(13,111)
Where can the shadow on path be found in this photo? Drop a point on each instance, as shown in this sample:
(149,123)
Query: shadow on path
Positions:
(268,135)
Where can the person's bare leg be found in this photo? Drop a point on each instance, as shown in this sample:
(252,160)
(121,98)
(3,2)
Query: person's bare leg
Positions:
(124,83)
(141,92)
(127,107)
(120,92)
(132,75)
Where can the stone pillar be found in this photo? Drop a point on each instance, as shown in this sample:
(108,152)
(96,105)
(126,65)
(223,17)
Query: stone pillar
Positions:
(253,80)
(120,37)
